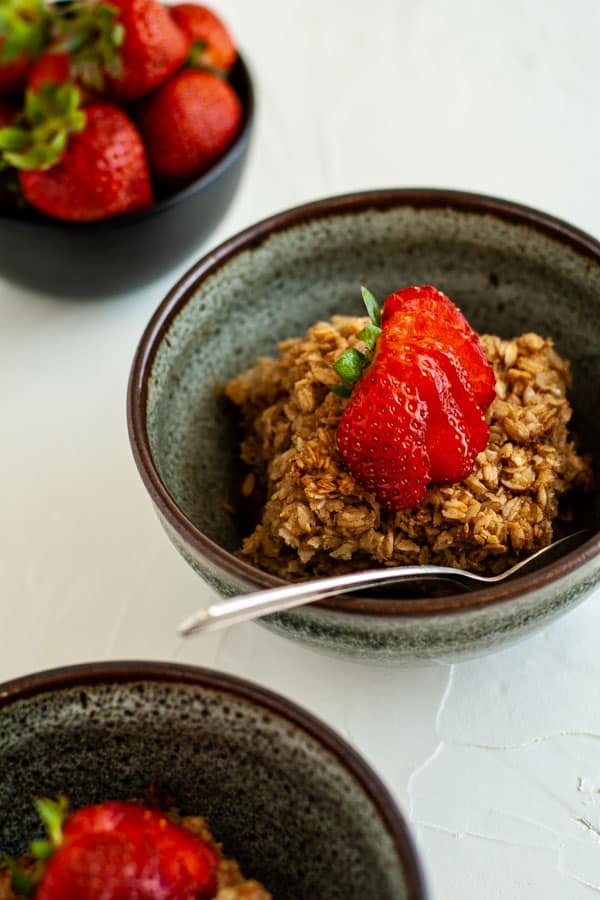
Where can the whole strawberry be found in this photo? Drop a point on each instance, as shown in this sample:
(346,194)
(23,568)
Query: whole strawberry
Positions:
(415,413)
(118,851)
(212,46)
(23,29)
(77,165)
(121,48)
(188,124)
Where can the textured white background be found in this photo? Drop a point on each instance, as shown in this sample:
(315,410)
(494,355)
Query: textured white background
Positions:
(497,761)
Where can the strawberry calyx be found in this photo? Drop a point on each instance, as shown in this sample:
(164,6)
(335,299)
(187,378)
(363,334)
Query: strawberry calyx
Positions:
(53,814)
(24,26)
(39,137)
(92,36)
(351,364)
(200,56)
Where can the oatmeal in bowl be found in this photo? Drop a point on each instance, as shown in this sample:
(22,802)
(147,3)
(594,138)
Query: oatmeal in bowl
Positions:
(317,519)
(234,425)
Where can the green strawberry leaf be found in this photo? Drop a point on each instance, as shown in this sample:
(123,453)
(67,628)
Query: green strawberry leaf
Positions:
(342,390)
(351,365)
(40,138)
(372,306)
(13,139)
(52,814)
(24,28)
(42,849)
(22,884)
(92,36)
(369,335)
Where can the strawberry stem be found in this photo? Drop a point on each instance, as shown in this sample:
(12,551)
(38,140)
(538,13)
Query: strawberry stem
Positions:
(39,138)
(198,58)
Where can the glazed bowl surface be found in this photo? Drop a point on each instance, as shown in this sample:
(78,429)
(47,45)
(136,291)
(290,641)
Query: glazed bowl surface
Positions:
(288,798)
(511,269)
(96,259)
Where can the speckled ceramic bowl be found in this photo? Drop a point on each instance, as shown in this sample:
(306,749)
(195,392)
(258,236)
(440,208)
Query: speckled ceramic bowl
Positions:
(511,269)
(290,800)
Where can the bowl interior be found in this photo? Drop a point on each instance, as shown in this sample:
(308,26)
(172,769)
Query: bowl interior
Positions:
(507,277)
(281,802)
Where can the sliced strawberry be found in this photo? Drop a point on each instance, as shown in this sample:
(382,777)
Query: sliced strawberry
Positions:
(116,851)
(177,857)
(424,310)
(381,436)
(456,428)
(413,416)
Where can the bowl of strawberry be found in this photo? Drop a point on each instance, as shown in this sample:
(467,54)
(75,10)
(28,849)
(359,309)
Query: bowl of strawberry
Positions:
(154,781)
(449,423)
(124,128)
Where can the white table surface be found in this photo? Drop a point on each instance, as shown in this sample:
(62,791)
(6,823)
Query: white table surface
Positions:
(496,762)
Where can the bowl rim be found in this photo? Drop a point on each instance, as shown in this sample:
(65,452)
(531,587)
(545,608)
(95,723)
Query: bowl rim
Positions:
(233,152)
(251,238)
(54,680)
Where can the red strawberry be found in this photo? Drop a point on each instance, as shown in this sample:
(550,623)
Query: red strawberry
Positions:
(188,124)
(23,30)
(120,851)
(50,68)
(425,310)
(59,68)
(77,165)
(125,48)
(415,414)
(14,74)
(212,45)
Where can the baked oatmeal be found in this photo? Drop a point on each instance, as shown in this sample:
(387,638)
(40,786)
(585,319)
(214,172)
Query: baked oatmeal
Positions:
(316,519)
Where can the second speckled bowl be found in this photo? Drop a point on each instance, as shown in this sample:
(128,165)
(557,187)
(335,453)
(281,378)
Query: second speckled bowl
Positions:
(287,797)
(511,269)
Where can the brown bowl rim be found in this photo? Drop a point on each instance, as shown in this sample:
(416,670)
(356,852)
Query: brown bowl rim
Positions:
(127,671)
(254,236)
(180,195)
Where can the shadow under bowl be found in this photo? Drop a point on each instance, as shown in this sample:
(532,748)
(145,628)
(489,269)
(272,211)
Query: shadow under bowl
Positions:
(511,269)
(287,797)
(96,259)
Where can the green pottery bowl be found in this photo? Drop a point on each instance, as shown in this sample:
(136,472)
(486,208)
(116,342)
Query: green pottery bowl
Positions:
(511,269)
(287,797)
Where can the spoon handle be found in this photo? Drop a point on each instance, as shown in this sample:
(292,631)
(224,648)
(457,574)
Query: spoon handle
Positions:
(272,600)
(262,603)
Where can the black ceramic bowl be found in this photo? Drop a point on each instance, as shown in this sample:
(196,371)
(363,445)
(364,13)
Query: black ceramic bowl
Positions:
(92,259)
(287,797)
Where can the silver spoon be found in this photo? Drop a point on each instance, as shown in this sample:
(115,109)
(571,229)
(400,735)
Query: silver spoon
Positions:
(262,603)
